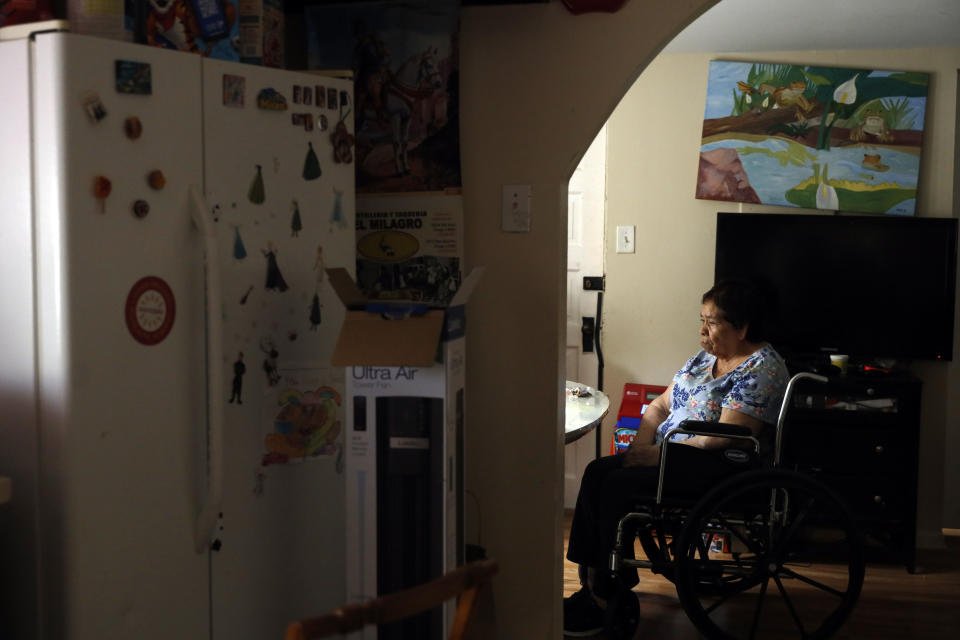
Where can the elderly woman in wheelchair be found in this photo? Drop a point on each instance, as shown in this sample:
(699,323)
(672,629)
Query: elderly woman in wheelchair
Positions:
(707,516)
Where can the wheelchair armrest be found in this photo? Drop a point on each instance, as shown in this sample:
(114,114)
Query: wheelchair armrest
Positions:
(699,427)
(703,428)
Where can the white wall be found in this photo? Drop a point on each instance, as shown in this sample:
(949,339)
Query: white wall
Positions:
(652,303)
(537,83)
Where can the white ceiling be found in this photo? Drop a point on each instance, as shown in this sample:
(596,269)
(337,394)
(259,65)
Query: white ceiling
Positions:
(794,25)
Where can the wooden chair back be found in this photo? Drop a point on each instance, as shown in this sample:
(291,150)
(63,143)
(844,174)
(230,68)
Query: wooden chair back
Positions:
(465,583)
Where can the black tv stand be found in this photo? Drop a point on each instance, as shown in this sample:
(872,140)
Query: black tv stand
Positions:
(859,435)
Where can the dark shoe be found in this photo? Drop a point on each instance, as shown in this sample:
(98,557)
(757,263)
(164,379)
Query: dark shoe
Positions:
(582,616)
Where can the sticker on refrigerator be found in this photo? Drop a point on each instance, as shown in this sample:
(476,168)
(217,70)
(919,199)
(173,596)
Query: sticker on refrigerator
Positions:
(315,317)
(133,77)
(236,385)
(270,367)
(234,90)
(239,250)
(256,193)
(311,166)
(304,417)
(150,310)
(336,215)
(296,225)
(275,279)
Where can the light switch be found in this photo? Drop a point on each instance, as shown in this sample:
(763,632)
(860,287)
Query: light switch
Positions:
(515,208)
(625,239)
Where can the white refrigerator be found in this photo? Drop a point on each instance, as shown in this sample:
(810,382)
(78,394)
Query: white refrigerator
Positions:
(162,215)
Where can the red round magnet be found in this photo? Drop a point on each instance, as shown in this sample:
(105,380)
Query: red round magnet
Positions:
(150,310)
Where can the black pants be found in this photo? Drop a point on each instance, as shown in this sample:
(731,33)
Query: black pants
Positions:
(609,490)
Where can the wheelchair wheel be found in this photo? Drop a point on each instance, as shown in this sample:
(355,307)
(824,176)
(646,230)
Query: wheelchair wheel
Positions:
(769,553)
(622,615)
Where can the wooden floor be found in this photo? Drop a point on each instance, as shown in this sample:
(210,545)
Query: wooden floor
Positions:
(893,604)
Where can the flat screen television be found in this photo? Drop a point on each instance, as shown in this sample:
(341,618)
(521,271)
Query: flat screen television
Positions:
(867,286)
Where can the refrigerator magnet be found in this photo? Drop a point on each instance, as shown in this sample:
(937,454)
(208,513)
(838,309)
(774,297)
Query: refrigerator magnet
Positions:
(94,108)
(133,77)
(234,90)
(308,122)
(271,100)
(141,208)
(321,94)
(150,310)
(156,179)
(132,127)
(342,143)
(101,191)
(331,98)
(323,123)
(296,94)
(308,95)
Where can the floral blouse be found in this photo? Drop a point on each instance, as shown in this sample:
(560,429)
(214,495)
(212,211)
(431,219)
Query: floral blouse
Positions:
(755,388)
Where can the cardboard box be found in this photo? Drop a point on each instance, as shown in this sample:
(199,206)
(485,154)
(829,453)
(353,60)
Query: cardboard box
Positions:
(405,370)
(261,32)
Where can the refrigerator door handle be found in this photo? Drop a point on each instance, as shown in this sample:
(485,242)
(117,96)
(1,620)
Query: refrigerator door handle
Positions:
(210,512)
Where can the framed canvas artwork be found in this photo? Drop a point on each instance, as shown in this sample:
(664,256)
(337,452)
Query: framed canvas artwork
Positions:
(813,137)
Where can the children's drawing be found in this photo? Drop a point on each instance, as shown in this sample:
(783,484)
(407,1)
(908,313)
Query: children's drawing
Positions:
(813,137)
(304,414)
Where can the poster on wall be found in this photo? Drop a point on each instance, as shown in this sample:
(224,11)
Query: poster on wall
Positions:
(409,247)
(404,56)
(813,137)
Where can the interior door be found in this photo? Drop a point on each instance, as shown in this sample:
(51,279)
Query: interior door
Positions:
(586,208)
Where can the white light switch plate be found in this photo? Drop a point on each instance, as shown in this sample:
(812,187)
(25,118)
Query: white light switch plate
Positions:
(625,239)
(515,208)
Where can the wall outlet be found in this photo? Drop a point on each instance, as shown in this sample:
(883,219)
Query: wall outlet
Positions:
(625,239)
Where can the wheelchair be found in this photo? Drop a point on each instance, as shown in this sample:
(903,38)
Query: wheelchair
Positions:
(767,552)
